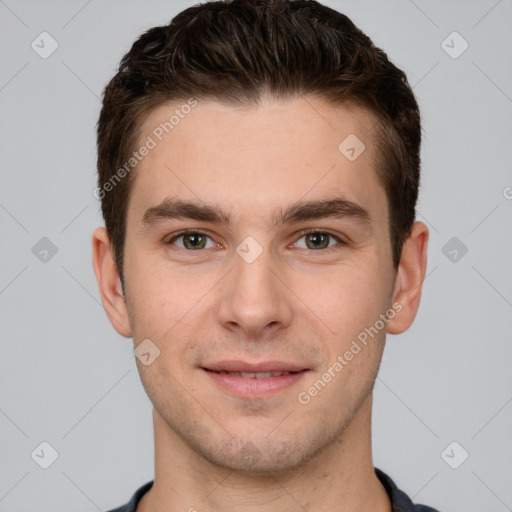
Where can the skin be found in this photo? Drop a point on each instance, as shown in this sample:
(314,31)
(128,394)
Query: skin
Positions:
(295,302)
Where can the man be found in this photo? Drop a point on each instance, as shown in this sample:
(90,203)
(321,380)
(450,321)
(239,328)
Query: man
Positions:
(258,170)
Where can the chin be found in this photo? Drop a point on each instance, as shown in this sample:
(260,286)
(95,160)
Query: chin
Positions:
(255,455)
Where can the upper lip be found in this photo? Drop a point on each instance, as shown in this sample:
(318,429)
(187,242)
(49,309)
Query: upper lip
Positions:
(242,366)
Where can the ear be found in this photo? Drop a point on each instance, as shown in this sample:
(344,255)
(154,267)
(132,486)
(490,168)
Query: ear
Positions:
(409,279)
(109,282)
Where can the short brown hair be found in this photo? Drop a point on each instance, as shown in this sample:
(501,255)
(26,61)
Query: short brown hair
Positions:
(234,52)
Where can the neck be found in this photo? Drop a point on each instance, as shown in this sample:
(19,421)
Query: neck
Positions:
(340,478)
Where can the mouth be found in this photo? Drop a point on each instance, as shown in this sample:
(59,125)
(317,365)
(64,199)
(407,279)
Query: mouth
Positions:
(254,375)
(260,380)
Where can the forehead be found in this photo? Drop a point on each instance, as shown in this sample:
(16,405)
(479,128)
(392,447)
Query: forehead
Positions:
(253,159)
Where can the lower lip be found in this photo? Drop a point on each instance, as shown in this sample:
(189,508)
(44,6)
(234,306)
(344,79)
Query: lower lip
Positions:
(254,388)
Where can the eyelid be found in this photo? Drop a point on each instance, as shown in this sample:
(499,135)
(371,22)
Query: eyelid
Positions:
(319,230)
(173,236)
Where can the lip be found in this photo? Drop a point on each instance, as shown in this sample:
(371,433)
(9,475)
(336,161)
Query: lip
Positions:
(242,366)
(244,387)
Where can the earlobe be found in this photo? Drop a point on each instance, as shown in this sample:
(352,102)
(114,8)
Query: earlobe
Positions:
(109,283)
(409,278)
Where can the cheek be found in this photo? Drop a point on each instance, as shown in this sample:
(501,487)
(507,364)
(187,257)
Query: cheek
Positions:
(170,305)
(351,298)
(351,305)
(159,298)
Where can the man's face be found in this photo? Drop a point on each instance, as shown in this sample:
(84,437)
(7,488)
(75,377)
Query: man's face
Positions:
(259,295)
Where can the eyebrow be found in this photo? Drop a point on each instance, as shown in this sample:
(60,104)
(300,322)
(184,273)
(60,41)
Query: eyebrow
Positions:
(337,207)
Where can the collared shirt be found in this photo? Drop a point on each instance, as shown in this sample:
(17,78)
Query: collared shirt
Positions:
(400,502)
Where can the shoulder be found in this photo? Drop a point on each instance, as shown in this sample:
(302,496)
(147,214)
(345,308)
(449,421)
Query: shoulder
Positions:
(399,500)
(131,506)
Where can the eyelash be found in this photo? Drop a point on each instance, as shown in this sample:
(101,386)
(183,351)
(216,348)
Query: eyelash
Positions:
(301,235)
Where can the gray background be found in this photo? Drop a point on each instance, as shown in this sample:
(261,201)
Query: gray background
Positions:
(67,378)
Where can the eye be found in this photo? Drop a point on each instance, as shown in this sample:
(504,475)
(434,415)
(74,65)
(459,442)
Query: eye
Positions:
(196,240)
(192,240)
(318,240)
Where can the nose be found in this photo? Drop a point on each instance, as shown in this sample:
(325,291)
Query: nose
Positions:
(254,299)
